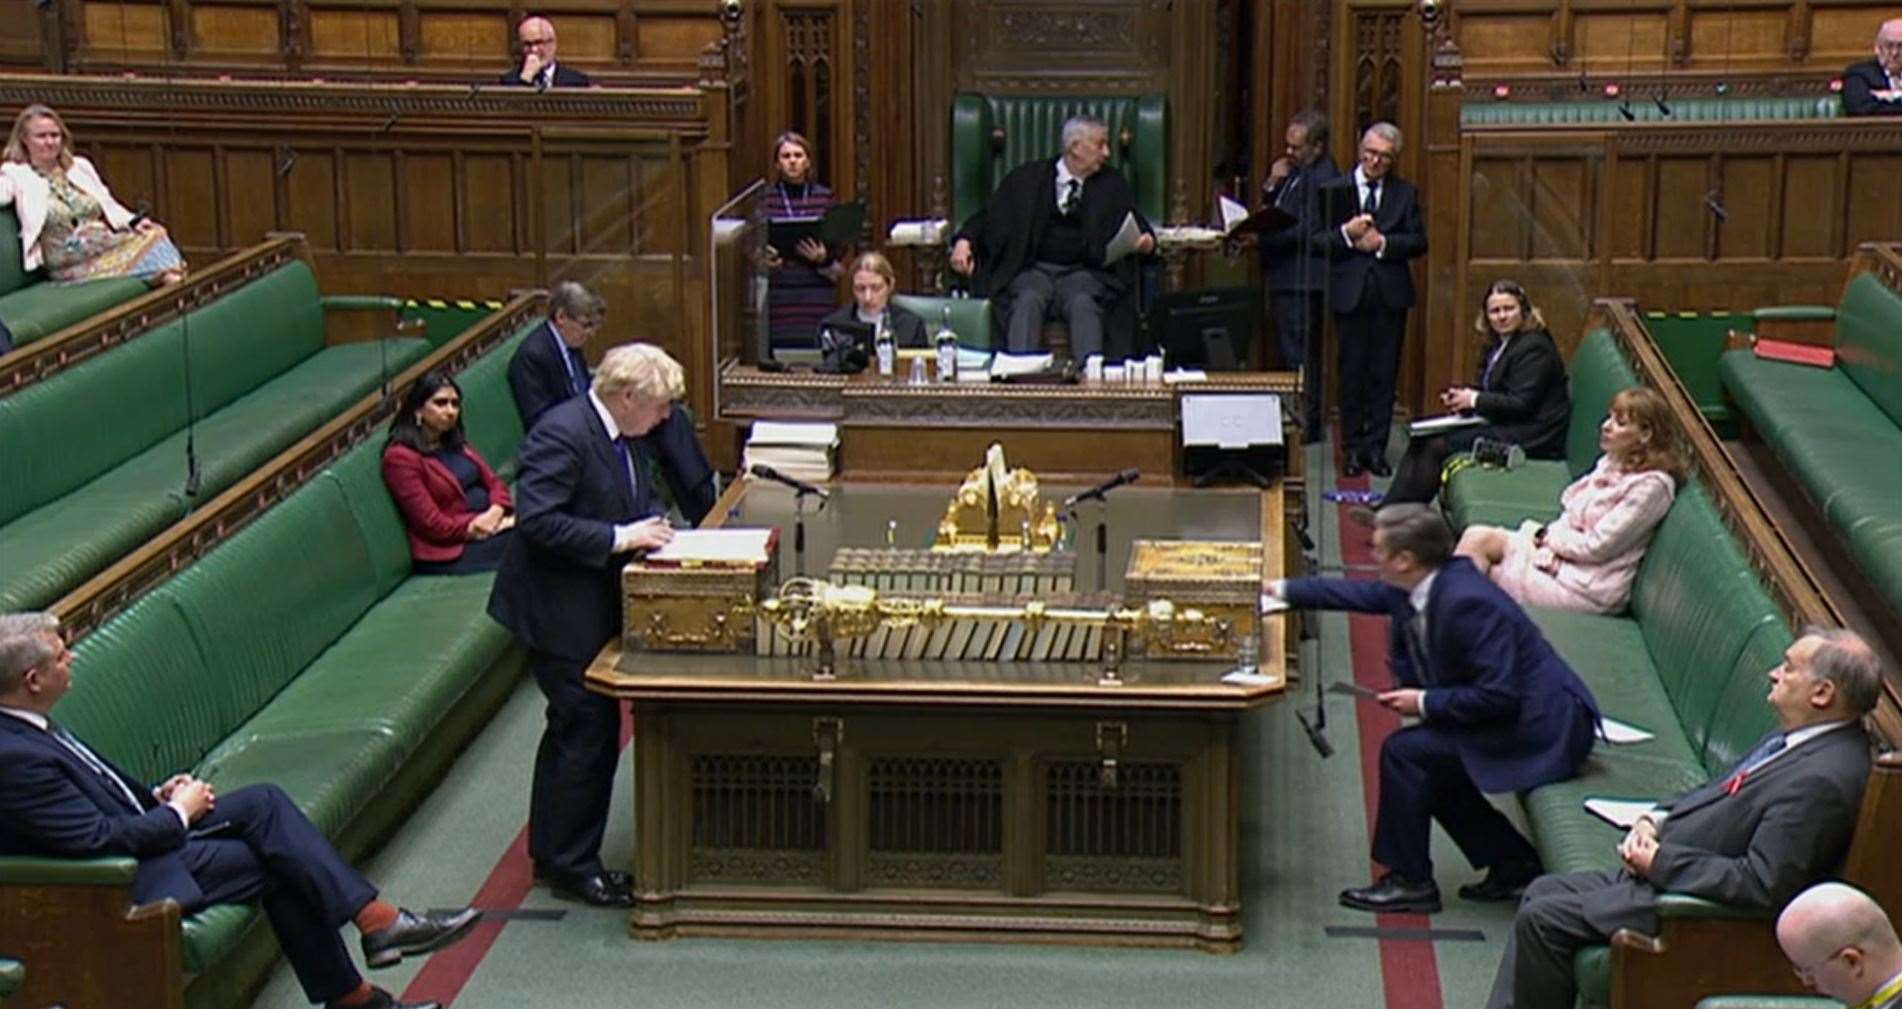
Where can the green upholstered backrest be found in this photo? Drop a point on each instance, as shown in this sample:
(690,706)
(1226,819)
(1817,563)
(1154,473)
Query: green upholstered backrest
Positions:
(1698,602)
(1693,342)
(970,317)
(1031,127)
(13,273)
(1869,342)
(142,694)
(266,602)
(1645,110)
(63,432)
(253,334)
(489,418)
(1597,373)
(359,477)
(1743,714)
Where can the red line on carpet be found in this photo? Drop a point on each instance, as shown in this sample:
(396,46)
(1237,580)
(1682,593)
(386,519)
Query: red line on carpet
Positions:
(508,884)
(1410,972)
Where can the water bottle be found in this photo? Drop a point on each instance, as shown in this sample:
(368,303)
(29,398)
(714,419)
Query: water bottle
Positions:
(947,348)
(886,347)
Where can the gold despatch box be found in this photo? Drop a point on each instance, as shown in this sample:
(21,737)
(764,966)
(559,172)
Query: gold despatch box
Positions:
(704,607)
(1221,579)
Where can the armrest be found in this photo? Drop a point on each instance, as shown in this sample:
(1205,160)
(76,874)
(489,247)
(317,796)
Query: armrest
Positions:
(1152,153)
(361,302)
(1795,313)
(970,156)
(28,870)
(1683,905)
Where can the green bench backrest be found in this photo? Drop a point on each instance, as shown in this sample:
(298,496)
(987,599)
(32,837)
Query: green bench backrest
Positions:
(1644,110)
(253,334)
(970,317)
(142,694)
(1597,373)
(1869,342)
(13,273)
(1700,604)
(1032,127)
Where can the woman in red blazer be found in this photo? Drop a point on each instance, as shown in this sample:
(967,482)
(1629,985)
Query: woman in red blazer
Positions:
(456,511)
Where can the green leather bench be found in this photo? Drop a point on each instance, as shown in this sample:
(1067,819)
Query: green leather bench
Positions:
(96,454)
(352,685)
(34,308)
(1768,1002)
(992,134)
(1643,109)
(1838,432)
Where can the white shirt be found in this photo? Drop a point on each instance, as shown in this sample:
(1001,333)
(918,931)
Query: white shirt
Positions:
(1064,176)
(623,531)
(1361,185)
(40,722)
(1418,597)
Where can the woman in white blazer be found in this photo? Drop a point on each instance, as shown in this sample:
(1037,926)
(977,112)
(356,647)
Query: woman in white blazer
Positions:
(69,221)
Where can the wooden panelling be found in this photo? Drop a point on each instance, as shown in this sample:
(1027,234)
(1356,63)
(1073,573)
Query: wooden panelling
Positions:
(1716,33)
(479,42)
(1505,40)
(1873,201)
(353,34)
(1561,196)
(1620,38)
(664,38)
(234,31)
(1680,223)
(126,31)
(1747,183)
(1811,217)
(20,45)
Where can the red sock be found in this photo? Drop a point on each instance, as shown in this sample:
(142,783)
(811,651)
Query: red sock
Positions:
(373,916)
(360,995)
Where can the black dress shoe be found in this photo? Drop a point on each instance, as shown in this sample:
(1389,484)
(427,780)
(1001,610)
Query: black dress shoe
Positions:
(1394,894)
(416,933)
(624,880)
(1505,881)
(380,999)
(598,890)
(1378,466)
(1351,468)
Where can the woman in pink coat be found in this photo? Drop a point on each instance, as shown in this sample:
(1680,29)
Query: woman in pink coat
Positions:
(1587,557)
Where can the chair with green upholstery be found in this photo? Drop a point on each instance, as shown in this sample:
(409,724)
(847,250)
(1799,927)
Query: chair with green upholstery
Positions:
(992,134)
(970,317)
(1682,110)
(33,308)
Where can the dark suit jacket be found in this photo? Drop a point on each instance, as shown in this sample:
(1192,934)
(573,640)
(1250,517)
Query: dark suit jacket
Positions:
(1006,233)
(51,803)
(565,77)
(537,377)
(6,339)
(1289,262)
(1521,717)
(1859,79)
(558,589)
(1525,400)
(908,327)
(1353,272)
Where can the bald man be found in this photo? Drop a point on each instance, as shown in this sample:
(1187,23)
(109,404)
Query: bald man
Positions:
(538,68)
(1843,946)
(1874,87)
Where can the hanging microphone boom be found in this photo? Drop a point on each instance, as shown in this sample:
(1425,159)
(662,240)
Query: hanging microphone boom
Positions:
(766,472)
(1127,476)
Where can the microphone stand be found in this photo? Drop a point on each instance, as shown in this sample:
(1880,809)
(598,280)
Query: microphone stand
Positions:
(799,529)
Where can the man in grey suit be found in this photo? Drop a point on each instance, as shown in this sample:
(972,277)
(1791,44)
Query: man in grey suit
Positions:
(1843,946)
(1773,824)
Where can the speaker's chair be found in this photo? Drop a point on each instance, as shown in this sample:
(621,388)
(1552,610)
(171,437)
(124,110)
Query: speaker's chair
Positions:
(992,134)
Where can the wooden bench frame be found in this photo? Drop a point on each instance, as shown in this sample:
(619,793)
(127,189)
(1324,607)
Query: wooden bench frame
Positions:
(131,955)
(1710,949)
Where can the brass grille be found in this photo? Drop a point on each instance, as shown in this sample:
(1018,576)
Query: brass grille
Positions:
(1139,818)
(755,802)
(937,805)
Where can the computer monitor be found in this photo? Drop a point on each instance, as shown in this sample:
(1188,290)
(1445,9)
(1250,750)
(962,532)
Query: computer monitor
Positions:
(1209,329)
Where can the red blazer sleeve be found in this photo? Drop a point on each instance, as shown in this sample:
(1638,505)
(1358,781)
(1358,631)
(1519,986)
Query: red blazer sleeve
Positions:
(498,491)
(426,518)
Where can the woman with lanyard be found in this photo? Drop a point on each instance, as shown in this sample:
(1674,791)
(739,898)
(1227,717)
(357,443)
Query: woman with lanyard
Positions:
(800,286)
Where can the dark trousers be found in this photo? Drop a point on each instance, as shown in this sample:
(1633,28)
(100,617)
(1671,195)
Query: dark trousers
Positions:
(1422,780)
(1558,916)
(1417,478)
(1080,296)
(1298,329)
(574,769)
(261,846)
(1368,363)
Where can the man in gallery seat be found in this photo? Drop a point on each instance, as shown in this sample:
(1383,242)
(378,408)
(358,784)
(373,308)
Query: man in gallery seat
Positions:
(194,845)
(583,507)
(1038,247)
(1874,87)
(1372,226)
(549,367)
(538,68)
(1776,822)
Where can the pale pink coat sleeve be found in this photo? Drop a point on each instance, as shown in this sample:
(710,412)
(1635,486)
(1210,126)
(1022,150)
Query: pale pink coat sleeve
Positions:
(1638,510)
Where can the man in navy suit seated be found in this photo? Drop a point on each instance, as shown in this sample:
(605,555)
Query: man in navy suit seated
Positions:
(583,507)
(1874,87)
(548,367)
(1498,711)
(59,797)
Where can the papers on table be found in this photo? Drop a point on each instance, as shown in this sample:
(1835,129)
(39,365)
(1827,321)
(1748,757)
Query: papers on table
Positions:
(1181,375)
(715,546)
(1235,421)
(1620,813)
(1021,364)
(1618,732)
(800,449)
(1246,679)
(919,232)
(1125,241)
(1444,423)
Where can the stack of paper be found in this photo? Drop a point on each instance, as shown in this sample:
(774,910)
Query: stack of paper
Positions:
(803,451)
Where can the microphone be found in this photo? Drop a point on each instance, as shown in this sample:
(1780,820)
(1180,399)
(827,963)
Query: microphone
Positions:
(766,472)
(1714,202)
(1317,731)
(1130,475)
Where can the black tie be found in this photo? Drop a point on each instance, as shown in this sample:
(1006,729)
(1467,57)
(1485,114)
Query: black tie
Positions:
(1072,195)
(1373,198)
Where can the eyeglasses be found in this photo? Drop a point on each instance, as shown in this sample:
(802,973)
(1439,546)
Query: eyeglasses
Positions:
(1368,152)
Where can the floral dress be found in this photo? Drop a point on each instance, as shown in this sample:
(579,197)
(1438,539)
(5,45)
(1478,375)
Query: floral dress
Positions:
(77,243)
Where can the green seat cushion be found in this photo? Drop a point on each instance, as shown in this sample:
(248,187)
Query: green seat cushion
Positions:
(331,772)
(56,548)
(211,934)
(1869,342)
(39,310)
(1767,1002)
(1486,495)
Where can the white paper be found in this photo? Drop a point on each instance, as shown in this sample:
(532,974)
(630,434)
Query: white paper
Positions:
(1623,732)
(973,359)
(920,232)
(1621,813)
(1444,422)
(1021,364)
(1273,604)
(1184,375)
(1232,213)
(1242,679)
(715,546)
(1125,241)
(1233,421)
(789,432)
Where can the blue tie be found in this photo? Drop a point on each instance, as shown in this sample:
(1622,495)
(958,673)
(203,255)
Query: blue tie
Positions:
(91,759)
(1758,757)
(627,464)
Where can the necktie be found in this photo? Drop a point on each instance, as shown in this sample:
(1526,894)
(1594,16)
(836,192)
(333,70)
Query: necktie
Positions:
(1486,379)
(1287,188)
(1372,202)
(91,760)
(1416,642)
(1758,757)
(578,377)
(1072,195)
(627,464)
